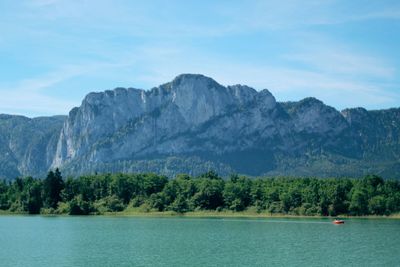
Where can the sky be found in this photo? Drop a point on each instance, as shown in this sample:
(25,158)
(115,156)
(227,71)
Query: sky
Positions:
(54,52)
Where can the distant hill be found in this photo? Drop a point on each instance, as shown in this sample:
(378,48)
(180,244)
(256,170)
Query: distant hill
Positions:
(192,125)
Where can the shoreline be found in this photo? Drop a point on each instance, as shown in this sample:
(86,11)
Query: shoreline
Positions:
(242,214)
(209,214)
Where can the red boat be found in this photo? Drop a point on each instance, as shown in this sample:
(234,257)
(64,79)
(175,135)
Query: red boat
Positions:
(337,221)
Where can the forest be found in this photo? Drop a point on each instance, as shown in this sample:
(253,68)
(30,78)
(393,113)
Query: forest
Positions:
(104,193)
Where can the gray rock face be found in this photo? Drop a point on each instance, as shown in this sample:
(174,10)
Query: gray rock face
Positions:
(27,146)
(193,124)
(129,123)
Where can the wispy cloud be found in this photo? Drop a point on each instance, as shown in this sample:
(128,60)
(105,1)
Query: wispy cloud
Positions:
(43,2)
(29,95)
(294,84)
(336,77)
(33,104)
(32,94)
(329,56)
(288,15)
(392,14)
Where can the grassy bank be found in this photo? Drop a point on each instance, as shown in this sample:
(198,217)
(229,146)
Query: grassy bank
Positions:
(6,212)
(231,214)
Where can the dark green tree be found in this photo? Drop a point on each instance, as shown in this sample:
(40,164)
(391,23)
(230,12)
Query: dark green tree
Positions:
(237,193)
(52,187)
(377,205)
(153,183)
(124,187)
(359,202)
(209,193)
(35,202)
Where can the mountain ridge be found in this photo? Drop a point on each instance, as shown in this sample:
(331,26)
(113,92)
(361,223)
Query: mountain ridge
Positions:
(194,121)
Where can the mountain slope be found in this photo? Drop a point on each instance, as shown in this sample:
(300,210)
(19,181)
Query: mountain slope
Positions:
(193,124)
(27,145)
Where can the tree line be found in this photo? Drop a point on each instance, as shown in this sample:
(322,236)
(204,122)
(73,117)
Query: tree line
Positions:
(101,193)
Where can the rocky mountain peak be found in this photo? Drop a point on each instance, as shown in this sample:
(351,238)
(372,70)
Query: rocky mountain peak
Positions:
(198,80)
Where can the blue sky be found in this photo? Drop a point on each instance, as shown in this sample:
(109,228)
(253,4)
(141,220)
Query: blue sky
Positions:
(54,52)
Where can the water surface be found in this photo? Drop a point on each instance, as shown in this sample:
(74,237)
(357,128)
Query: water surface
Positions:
(134,241)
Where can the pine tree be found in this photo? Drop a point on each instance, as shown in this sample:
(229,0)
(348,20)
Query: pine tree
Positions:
(52,186)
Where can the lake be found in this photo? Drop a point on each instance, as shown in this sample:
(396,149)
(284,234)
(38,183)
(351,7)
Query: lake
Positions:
(175,241)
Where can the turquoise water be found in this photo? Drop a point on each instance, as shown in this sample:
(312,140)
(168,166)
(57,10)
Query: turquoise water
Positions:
(133,241)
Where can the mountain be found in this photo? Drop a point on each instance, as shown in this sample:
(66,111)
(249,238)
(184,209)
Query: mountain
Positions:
(27,146)
(193,124)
